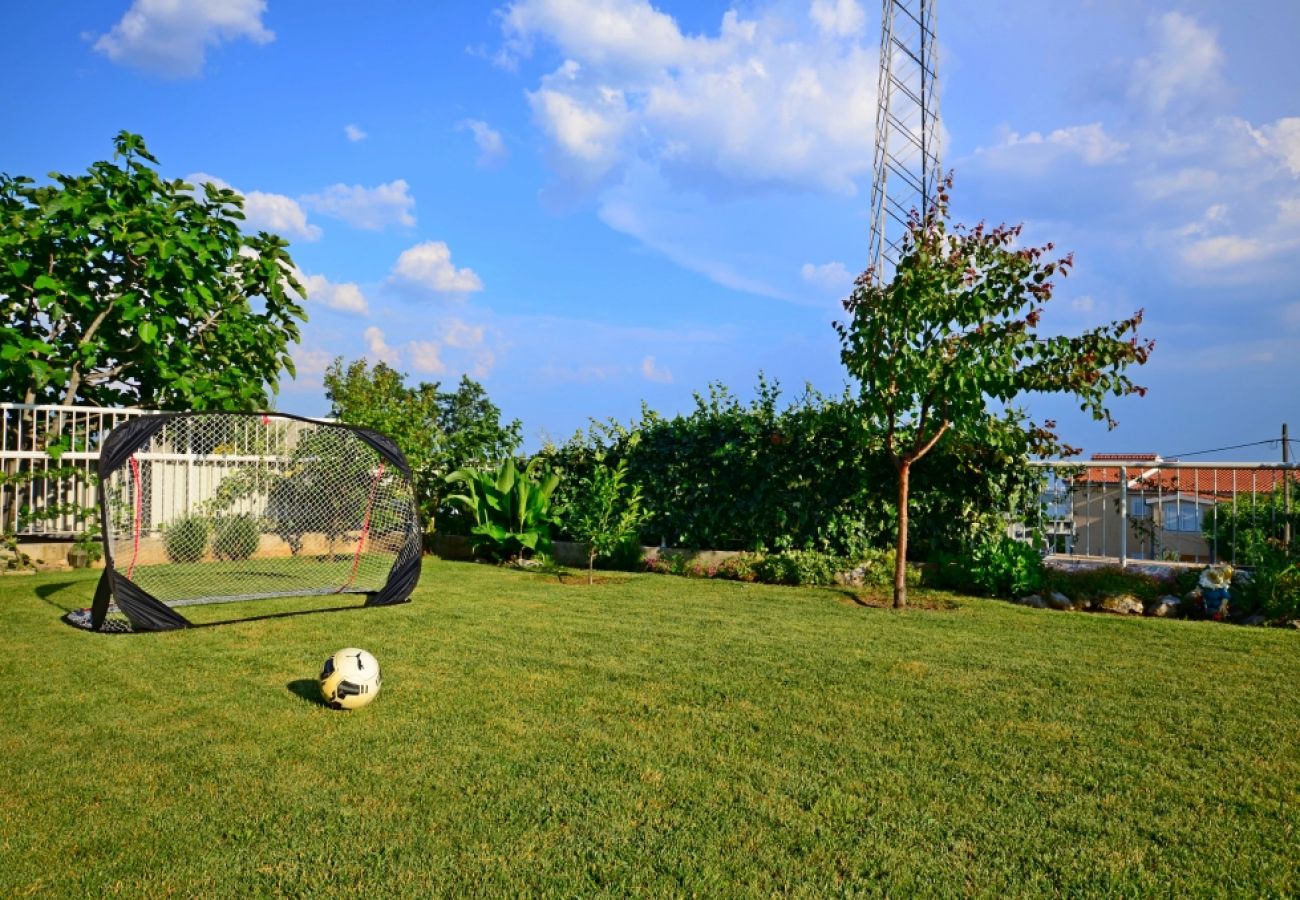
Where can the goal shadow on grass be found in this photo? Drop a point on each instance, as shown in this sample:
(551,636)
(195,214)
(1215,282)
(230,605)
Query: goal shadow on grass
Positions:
(75,597)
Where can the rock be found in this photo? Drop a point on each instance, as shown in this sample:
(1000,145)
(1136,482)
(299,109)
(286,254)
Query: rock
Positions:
(1123,604)
(1294,625)
(1034,601)
(1256,619)
(1165,607)
(1057,600)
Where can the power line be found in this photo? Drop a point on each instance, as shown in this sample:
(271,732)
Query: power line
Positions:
(1221,449)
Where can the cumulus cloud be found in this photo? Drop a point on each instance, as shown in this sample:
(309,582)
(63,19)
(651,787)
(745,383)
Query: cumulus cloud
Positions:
(428,266)
(1282,139)
(344,297)
(654,372)
(841,18)
(759,103)
(1088,144)
(1185,67)
(426,356)
(831,276)
(377,346)
(354,133)
(171,37)
(491,148)
(268,212)
(371,209)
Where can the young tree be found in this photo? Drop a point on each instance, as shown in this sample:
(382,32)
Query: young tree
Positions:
(438,431)
(956,328)
(120,287)
(605,512)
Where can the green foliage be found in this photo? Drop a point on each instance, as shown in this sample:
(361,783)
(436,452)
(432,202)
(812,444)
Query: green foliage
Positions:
(1273,588)
(1095,584)
(761,476)
(511,509)
(790,567)
(1243,532)
(956,328)
(122,288)
(998,568)
(605,513)
(438,431)
(186,539)
(236,537)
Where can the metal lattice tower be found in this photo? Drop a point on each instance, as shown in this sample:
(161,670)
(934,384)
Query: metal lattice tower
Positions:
(906,173)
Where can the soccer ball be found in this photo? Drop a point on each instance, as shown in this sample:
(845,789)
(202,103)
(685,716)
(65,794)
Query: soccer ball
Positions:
(350,679)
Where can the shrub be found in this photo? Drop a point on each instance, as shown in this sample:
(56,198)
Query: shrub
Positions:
(1000,568)
(186,538)
(236,537)
(1092,585)
(511,508)
(1273,589)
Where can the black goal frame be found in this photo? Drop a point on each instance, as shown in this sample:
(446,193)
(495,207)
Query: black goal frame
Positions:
(146,612)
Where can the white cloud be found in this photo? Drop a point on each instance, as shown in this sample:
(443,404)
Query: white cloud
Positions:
(1231,250)
(462,335)
(354,133)
(345,297)
(841,18)
(1282,139)
(491,148)
(269,212)
(428,265)
(426,356)
(1088,143)
(831,276)
(1185,67)
(309,361)
(655,373)
(378,347)
(372,209)
(760,103)
(1187,180)
(1084,304)
(171,37)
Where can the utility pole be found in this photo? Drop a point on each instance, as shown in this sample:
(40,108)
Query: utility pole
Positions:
(1286,490)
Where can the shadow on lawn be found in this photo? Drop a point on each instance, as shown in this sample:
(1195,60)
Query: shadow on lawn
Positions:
(307,689)
(47,591)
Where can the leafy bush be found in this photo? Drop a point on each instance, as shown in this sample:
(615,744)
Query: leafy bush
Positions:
(186,538)
(1000,568)
(808,476)
(793,567)
(1092,585)
(511,509)
(236,537)
(1241,532)
(1273,588)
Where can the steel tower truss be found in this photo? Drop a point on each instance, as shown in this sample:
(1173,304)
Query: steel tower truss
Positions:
(906,173)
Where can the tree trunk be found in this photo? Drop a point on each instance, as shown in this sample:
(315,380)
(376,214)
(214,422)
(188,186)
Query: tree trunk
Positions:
(591,568)
(900,550)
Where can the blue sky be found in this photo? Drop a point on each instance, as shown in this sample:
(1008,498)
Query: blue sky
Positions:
(587,205)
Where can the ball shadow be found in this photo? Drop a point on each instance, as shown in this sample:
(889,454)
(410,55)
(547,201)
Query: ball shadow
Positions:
(307,689)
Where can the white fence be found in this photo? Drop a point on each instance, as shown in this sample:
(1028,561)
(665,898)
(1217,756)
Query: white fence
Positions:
(1148,509)
(49,457)
(41,495)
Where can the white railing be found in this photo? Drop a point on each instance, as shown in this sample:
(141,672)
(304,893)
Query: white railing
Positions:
(1123,511)
(41,495)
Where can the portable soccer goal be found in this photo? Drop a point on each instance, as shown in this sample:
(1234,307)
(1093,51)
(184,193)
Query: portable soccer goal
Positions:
(221,507)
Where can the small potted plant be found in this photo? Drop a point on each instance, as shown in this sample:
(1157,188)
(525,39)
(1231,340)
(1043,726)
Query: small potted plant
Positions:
(87,548)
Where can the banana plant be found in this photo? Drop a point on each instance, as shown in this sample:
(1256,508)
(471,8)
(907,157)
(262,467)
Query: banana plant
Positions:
(511,508)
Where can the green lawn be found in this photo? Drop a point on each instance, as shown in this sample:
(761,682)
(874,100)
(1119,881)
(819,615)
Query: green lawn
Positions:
(648,734)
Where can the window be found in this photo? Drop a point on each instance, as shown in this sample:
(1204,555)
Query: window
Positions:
(1139,508)
(1181,515)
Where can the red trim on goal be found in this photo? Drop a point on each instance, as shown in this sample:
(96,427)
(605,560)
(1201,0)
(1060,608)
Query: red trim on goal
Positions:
(365,528)
(135,525)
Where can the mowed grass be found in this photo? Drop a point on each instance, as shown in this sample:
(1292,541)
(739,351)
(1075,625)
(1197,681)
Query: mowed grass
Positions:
(649,734)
